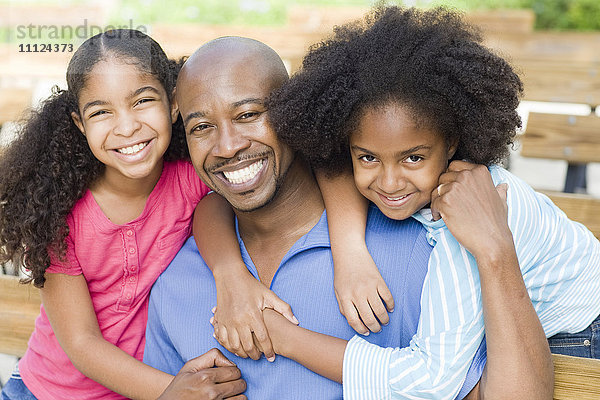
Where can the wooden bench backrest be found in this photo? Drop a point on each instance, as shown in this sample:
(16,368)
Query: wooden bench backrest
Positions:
(13,103)
(19,307)
(581,208)
(576,378)
(563,137)
(554,66)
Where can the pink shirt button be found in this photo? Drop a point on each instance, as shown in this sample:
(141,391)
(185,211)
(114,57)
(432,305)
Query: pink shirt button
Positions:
(132,250)
(132,268)
(129,232)
(132,279)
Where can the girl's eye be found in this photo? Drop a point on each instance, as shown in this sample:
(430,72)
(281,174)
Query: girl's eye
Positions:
(413,159)
(96,113)
(141,101)
(367,158)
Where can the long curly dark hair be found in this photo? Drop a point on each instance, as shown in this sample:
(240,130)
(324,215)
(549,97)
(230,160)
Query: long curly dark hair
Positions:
(428,60)
(50,166)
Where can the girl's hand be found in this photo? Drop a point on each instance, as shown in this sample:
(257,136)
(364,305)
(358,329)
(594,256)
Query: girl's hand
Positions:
(473,209)
(362,294)
(238,315)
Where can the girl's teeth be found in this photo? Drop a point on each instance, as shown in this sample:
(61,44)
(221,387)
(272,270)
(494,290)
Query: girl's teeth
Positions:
(395,198)
(245,174)
(132,149)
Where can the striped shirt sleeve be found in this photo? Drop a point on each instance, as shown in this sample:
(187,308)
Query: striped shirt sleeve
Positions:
(559,258)
(450,330)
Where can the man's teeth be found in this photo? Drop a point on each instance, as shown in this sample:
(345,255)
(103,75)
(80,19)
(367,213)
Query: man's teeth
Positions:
(132,149)
(245,174)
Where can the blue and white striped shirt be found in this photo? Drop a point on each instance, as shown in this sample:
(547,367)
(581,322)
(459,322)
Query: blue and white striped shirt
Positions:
(560,263)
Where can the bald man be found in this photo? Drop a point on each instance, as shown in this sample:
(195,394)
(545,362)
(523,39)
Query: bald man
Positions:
(281,227)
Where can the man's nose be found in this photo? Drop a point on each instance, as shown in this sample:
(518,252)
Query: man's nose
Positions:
(230,142)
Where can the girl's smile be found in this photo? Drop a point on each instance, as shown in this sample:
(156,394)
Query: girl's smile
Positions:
(397,162)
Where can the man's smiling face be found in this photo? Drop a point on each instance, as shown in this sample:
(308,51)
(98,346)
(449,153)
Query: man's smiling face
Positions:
(232,146)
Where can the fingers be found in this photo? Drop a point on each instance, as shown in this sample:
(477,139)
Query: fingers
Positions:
(386,296)
(458,165)
(283,308)
(379,311)
(264,341)
(366,315)
(247,344)
(502,190)
(351,313)
(212,358)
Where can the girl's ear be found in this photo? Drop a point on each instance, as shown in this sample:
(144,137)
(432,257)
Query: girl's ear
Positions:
(174,107)
(452,148)
(77,120)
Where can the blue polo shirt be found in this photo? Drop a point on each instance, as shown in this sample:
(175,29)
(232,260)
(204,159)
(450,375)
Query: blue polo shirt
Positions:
(181,301)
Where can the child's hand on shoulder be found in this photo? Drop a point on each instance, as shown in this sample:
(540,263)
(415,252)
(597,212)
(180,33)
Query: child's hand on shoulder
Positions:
(362,294)
(238,316)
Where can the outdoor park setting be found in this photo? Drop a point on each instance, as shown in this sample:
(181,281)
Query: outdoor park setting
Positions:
(554,46)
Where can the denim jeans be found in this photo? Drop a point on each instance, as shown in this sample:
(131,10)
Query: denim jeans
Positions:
(581,344)
(15,389)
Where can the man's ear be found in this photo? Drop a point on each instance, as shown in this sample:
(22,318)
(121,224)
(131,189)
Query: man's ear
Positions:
(77,120)
(174,106)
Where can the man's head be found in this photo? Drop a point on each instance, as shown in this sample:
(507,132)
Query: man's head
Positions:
(221,92)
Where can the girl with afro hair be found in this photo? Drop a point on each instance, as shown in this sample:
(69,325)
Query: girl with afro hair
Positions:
(96,198)
(408,109)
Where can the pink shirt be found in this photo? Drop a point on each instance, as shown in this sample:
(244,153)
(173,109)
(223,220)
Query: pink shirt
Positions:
(120,264)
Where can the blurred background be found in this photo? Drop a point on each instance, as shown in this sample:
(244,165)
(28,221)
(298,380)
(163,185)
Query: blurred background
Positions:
(554,44)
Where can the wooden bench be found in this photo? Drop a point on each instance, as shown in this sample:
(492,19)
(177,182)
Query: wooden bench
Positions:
(576,378)
(19,307)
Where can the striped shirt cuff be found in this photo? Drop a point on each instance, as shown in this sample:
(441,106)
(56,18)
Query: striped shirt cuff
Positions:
(365,370)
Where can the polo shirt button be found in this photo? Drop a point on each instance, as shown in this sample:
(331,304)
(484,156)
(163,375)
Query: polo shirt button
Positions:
(128,296)
(132,269)
(132,250)
(132,279)
(129,232)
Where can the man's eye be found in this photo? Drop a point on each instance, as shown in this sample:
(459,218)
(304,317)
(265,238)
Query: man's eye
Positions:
(200,127)
(367,158)
(249,114)
(414,159)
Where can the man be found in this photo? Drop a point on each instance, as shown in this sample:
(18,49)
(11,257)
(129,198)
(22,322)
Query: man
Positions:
(281,225)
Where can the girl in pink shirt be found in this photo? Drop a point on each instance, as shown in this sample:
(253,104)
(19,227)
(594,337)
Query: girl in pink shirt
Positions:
(98,202)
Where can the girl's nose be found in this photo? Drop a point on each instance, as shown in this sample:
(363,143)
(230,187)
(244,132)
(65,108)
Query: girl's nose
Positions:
(126,125)
(391,180)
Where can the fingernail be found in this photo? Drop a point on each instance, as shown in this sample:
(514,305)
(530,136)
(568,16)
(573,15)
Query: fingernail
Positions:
(213,309)
(295,319)
(366,333)
(212,320)
(271,359)
(392,310)
(214,335)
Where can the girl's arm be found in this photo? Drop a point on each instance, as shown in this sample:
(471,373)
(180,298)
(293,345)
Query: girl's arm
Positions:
(240,296)
(67,303)
(359,288)
(475,212)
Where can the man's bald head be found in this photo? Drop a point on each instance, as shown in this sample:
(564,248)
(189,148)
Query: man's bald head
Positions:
(230,52)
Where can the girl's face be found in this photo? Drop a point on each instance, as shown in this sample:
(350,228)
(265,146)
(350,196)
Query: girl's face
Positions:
(126,118)
(397,163)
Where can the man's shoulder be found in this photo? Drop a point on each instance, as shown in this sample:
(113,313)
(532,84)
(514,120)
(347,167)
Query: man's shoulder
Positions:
(187,266)
(379,225)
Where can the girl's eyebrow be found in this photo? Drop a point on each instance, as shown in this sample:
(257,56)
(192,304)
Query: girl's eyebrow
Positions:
(398,154)
(133,94)
(144,89)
